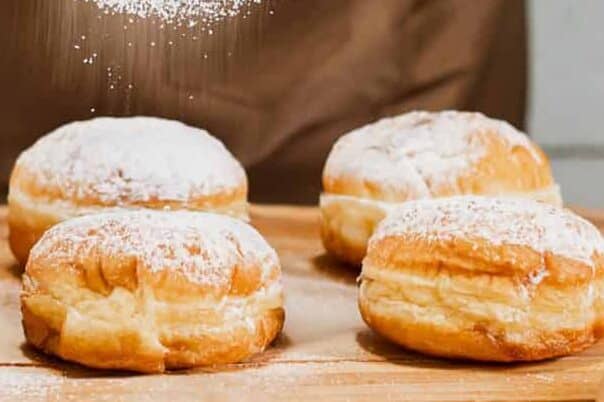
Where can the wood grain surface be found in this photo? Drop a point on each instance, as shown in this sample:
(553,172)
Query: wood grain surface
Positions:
(325,353)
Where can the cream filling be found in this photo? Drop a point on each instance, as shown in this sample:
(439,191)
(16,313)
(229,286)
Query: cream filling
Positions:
(59,210)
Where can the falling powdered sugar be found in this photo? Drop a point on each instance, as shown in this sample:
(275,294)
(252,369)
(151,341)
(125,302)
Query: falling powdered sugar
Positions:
(177,10)
(508,221)
(205,248)
(420,152)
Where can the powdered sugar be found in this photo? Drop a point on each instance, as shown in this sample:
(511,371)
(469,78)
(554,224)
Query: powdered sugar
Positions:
(176,10)
(128,160)
(510,221)
(419,152)
(204,247)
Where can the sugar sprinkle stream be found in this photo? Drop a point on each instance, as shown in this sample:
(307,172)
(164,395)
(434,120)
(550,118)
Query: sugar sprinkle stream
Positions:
(174,11)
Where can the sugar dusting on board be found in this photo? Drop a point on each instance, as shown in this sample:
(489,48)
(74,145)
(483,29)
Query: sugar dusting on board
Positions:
(177,10)
(204,248)
(542,227)
(419,152)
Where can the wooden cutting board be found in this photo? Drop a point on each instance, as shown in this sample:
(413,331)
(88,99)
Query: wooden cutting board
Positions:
(325,353)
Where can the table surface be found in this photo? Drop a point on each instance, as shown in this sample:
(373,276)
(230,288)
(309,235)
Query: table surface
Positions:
(325,353)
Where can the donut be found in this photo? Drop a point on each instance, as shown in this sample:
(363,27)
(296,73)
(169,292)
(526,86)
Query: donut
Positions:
(489,279)
(422,155)
(152,290)
(106,164)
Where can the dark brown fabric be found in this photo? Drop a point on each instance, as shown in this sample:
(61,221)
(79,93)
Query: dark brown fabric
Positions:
(277,89)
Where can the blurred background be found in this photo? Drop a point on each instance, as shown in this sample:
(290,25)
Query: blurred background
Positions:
(280,82)
(566,93)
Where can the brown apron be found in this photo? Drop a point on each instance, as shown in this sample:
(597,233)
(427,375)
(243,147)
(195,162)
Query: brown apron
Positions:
(278,86)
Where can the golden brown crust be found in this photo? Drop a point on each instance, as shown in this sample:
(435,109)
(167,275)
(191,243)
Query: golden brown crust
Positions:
(149,291)
(348,222)
(21,239)
(29,220)
(467,255)
(511,237)
(476,342)
(25,181)
(127,163)
(207,351)
(500,170)
(422,155)
(485,279)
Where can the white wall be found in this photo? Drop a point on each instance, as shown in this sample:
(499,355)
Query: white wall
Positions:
(567,93)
